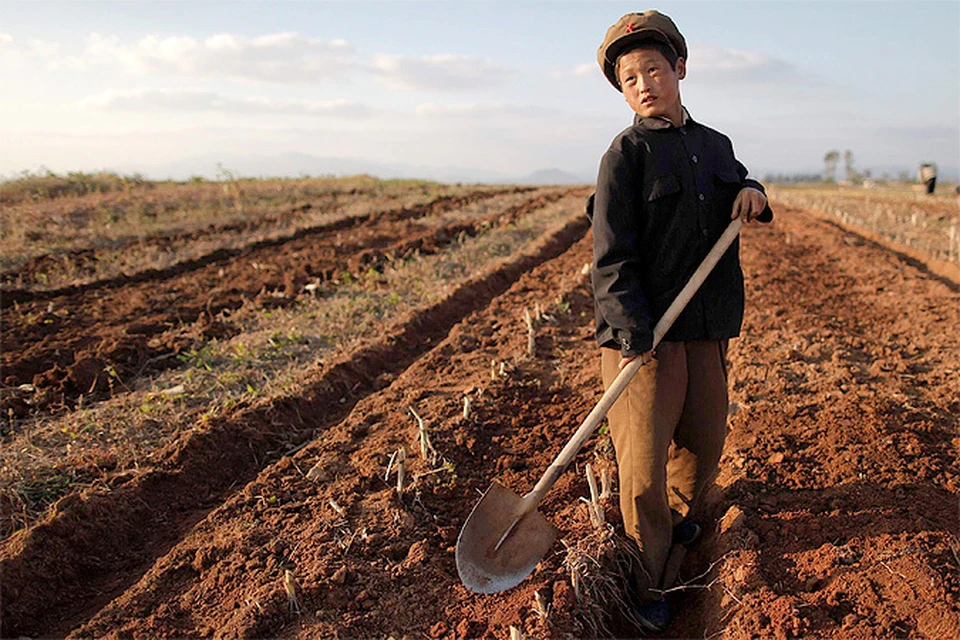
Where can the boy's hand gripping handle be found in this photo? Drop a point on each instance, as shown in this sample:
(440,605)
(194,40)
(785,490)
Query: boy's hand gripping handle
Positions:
(565,457)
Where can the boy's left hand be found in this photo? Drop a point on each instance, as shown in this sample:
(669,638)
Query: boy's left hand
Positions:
(750,202)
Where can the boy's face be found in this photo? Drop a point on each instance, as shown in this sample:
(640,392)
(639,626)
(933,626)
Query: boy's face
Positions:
(650,85)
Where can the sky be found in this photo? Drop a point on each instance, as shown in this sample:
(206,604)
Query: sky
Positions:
(506,88)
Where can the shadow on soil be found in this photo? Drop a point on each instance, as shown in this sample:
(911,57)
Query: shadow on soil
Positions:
(843,516)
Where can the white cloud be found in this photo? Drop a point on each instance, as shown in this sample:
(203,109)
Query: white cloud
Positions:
(279,57)
(584,69)
(714,64)
(14,52)
(146,100)
(489,110)
(445,72)
(276,58)
(580,70)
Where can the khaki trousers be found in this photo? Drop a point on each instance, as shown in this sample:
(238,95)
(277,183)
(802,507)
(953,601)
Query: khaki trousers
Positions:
(668,429)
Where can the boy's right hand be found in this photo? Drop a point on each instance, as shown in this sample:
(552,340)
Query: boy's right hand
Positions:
(750,203)
(647,357)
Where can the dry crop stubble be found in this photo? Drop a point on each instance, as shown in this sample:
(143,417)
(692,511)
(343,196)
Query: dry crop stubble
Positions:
(406,541)
(203,464)
(270,350)
(97,236)
(838,466)
(927,225)
(68,342)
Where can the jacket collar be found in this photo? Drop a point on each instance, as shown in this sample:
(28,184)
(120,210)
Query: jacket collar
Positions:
(659,122)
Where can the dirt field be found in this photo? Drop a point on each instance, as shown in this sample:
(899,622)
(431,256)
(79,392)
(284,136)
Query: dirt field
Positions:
(835,514)
(922,226)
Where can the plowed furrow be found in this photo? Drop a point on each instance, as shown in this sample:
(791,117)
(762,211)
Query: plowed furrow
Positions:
(432,240)
(841,462)
(398,575)
(83,262)
(837,497)
(97,341)
(445,203)
(835,511)
(114,537)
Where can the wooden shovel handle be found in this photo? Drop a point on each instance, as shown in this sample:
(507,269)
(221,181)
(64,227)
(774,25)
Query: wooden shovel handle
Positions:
(565,457)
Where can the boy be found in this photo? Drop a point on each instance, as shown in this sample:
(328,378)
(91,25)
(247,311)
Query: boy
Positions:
(667,188)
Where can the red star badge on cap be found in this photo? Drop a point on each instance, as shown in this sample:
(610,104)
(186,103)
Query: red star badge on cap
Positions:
(630,28)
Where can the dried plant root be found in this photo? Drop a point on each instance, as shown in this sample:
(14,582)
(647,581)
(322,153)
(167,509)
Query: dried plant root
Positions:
(600,566)
(427,452)
(596,509)
(290,587)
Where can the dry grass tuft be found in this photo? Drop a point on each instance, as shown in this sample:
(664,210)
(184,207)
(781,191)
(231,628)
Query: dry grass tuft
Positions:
(926,224)
(47,455)
(600,566)
(39,218)
(290,587)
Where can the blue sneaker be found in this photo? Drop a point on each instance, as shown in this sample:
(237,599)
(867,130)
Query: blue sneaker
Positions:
(686,533)
(653,616)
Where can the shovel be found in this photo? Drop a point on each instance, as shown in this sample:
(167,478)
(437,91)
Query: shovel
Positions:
(505,536)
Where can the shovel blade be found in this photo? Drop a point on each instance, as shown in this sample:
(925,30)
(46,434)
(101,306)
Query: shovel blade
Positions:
(484,568)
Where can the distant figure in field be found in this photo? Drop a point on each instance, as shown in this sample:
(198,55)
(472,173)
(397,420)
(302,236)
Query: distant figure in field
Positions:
(928,176)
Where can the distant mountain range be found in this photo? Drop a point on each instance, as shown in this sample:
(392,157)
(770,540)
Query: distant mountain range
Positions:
(554,176)
(299,164)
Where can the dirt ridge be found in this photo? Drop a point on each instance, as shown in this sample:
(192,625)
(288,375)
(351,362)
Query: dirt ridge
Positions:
(43,261)
(834,515)
(204,467)
(478,448)
(839,461)
(443,203)
(106,338)
(432,240)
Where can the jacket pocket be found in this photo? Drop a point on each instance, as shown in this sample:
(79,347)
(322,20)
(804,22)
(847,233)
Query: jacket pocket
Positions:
(728,175)
(727,183)
(663,195)
(661,187)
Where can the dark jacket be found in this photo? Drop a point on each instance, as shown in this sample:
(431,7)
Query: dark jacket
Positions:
(664,196)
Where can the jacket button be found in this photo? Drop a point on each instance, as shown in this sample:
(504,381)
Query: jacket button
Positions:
(701,197)
(695,159)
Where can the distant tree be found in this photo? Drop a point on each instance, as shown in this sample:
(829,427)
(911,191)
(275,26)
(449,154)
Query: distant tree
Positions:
(830,161)
(848,162)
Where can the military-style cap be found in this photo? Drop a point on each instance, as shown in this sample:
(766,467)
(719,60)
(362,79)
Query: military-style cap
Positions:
(632,28)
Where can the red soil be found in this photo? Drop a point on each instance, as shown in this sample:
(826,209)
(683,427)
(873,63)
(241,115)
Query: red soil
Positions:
(835,514)
(89,339)
(83,261)
(108,538)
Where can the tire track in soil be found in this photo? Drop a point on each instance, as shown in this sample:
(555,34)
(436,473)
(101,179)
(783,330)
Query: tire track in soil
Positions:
(102,339)
(91,548)
(398,576)
(837,513)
